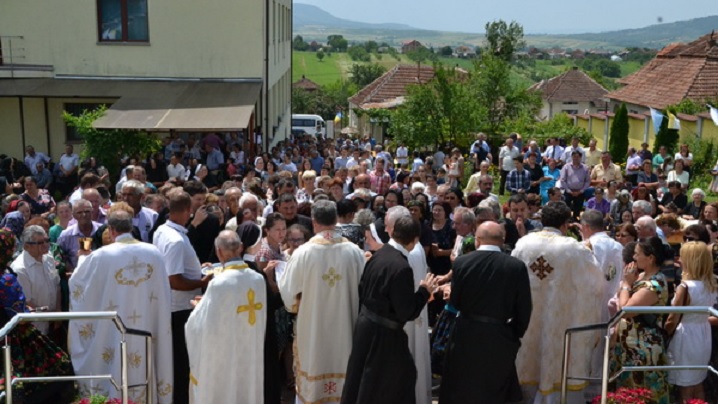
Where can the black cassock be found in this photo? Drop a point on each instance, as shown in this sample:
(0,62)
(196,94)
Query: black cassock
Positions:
(488,288)
(381,368)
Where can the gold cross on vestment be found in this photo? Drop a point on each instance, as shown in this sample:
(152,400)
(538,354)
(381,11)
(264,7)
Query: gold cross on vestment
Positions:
(134,317)
(331,277)
(250,307)
(111,307)
(541,267)
(135,266)
(152,297)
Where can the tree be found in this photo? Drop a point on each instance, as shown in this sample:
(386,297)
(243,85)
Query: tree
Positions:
(362,74)
(109,146)
(504,39)
(320,55)
(666,137)
(338,43)
(440,111)
(499,101)
(446,51)
(371,46)
(421,55)
(618,138)
(359,54)
(298,43)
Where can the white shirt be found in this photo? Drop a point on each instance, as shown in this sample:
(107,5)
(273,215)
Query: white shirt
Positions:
(176,171)
(566,157)
(180,259)
(40,283)
(144,220)
(507,164)
(553,152)
(401,154)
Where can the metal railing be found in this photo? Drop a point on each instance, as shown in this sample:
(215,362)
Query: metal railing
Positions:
(9,52)
(123,386)
(605,379)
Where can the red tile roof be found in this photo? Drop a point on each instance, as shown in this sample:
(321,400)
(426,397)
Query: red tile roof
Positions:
(306,84)
(574,85)
(679,71)
(392,84)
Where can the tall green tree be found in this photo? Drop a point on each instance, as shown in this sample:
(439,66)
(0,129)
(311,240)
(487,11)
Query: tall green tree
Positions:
(618,137)
(504,39)
(298,44)
(442,110)
(499,100)
(338,43)
(109,146)
(421,55)
(363,74)
(666,137)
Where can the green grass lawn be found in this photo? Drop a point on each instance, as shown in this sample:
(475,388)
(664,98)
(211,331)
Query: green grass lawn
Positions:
(328,71)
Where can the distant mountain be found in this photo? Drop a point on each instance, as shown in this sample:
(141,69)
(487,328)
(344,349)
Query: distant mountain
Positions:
(311,17)
(654,36)
(313,23)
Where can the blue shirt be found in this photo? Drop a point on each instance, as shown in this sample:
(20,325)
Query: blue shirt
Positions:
(214,160)
(317,164)
(518,180)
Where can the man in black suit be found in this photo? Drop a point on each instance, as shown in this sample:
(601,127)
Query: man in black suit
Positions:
(491,291)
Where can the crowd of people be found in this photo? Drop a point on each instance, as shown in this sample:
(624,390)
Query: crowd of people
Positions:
(341,270)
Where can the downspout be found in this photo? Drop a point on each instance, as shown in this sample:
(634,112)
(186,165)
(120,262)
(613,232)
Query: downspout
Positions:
(266,78)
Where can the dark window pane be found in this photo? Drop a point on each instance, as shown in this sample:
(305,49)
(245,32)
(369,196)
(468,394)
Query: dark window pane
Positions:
(110,20)
(137,20)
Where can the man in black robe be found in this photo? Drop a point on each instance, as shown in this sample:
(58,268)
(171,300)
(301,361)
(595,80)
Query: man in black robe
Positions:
(381,368)
(491,291)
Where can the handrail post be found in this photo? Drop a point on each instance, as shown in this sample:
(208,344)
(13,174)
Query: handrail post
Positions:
(8,373)
(150,374)
(564,367)
(604,370)
(123,367)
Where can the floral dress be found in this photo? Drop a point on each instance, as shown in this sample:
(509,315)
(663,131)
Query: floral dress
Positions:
(641,342)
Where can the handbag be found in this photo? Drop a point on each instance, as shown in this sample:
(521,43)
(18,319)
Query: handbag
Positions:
(674,319)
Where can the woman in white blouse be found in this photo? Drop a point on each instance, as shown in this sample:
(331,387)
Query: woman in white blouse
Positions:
(679,174)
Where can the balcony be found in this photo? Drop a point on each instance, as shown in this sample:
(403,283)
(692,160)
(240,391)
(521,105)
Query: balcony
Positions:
(12,56)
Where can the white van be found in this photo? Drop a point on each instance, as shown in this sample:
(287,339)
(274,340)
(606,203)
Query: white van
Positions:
(311,124)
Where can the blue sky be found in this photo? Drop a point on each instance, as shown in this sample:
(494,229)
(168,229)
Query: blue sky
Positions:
(537,16)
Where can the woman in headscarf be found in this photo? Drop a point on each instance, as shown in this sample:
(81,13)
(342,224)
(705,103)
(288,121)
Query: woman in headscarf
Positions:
(33,354)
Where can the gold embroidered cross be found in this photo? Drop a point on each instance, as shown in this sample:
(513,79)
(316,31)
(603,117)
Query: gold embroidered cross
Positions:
(541,268)
(111,307)
(331,277)
(135,266)
(134,317)
(152,297)
(250,307)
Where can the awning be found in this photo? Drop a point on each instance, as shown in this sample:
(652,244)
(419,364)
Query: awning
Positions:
(195,106)
(184,106)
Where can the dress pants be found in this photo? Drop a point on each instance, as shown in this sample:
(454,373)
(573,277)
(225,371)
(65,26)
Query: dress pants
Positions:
(180,395)
(575,203)
(502,181)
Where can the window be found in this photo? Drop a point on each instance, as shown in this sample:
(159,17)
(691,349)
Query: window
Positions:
(76,109)
(570,103)
(122,21)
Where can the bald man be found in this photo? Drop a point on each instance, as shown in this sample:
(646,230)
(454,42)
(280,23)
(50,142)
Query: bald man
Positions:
(491,292)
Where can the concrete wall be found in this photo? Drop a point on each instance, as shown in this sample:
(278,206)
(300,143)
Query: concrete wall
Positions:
(216,39)
(702,127)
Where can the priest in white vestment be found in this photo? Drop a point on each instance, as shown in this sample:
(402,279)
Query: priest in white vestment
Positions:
(325,272)
(418,331)
(563,274)
(609,255)
(225,332)
(128,277)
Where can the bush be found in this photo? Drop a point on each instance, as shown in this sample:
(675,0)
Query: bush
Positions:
(618,140)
